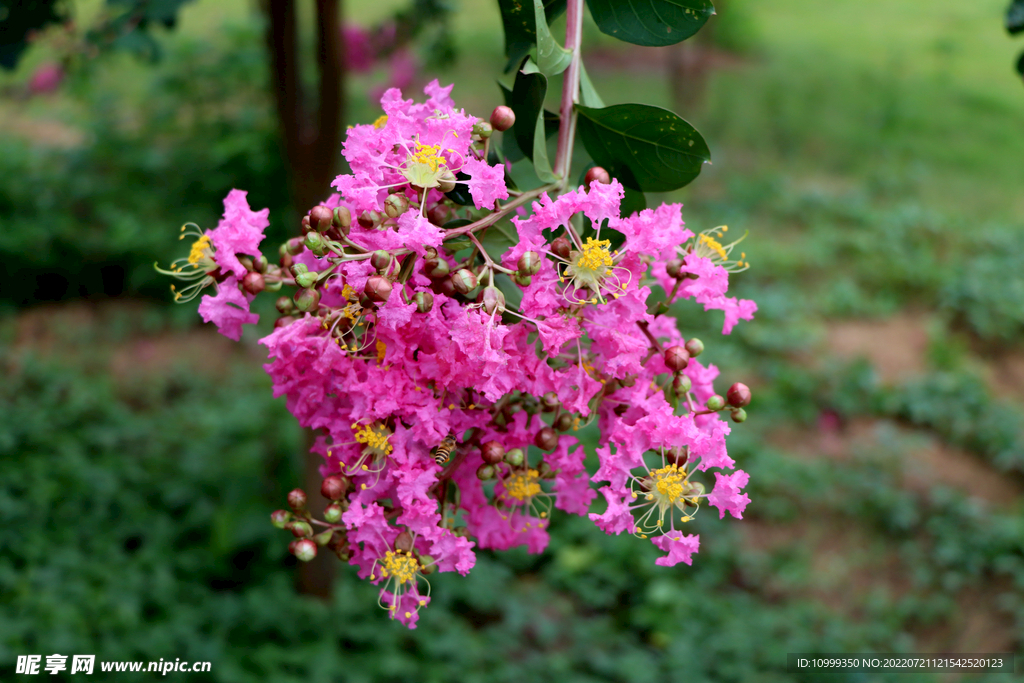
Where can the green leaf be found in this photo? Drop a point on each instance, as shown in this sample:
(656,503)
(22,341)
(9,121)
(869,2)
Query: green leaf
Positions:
(588,93)
(651,22)
(1015,17)
(647,148)
(527,101)
(520,22)
(552,58)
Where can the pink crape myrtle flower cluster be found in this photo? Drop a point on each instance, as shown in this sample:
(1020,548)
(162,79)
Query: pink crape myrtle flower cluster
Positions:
(447,413)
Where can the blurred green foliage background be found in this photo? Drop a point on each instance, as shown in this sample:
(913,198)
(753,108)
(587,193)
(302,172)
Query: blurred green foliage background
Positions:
(874,151)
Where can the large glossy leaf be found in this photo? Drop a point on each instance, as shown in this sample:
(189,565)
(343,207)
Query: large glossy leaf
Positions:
(520,24)
(527,101)
(552,58)
(1015,17)
(651,22)
(647,148)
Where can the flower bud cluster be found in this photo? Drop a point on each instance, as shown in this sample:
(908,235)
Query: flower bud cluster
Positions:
(448,379)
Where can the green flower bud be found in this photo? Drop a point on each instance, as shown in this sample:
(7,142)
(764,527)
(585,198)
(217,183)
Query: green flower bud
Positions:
(464,281)
(482,129)
(446,181)
(315,243)
(342,219)
(304,549)
(395,205)
(247,263)
(694,347)
(435,268)
(424,301)
(332,513)
(427,565)
(739,415)
(262,264)
(380,260)
(544,470)
(529,263)
(298,269)
(285,305)
(522,280)
(307,279)
(515,457)
(485,472)
(307,300)
(681,384)
(369,219)
(324,537)
(300,528)
(716,402)
(280,518)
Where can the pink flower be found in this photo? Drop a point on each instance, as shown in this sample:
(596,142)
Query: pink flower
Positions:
(46,79)
(679,548)
(617,518)
(727,496)
(487,184)
(229,309)
(240,231)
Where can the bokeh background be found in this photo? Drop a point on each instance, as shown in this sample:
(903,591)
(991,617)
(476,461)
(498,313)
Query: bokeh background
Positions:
(873,149)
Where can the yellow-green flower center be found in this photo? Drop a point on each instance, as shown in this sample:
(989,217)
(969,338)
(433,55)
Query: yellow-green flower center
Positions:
(400,566)
(375,439)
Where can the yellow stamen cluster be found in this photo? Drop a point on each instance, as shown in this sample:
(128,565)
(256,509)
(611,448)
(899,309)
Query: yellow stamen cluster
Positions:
(376,441)
(523,485)
(381,122)
(382,348)
(596,255)
(199,249)
(401,566)
(669,483)
(707,245)
(428,155)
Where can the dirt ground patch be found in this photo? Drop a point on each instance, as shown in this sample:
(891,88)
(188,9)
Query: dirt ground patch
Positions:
(897,347)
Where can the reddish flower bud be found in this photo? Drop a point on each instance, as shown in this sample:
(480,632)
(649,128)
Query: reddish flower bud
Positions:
(424,301)
(321,218)
(677,455)
(439,214)
(672,268)
(369,219)
(599,174)
(503,118)
(334,487)
(561,248)
(681,384)
(563,422)
(446,182)
(307,300)
(280,518)
(395,205)
(738,395)
(377,288)
(550,401)
(304,549)
(492,301)
(299,528)
(464,281)
(297,500)
(306,225)
(253,283)
(485,472)
(380,260)
(283,322)
(546,439)
(403,542)
(694,347)
(294,246)
(492,452)
(262,264)
(676,358)
(445,286)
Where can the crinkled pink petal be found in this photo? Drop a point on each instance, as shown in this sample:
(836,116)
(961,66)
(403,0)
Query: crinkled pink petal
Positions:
(726,495)
(679,548)
(617,518)
(240,231)
(229,309)
(486,183)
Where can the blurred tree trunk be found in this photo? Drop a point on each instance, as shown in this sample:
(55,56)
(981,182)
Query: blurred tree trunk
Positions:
(689,66)
(311,135)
